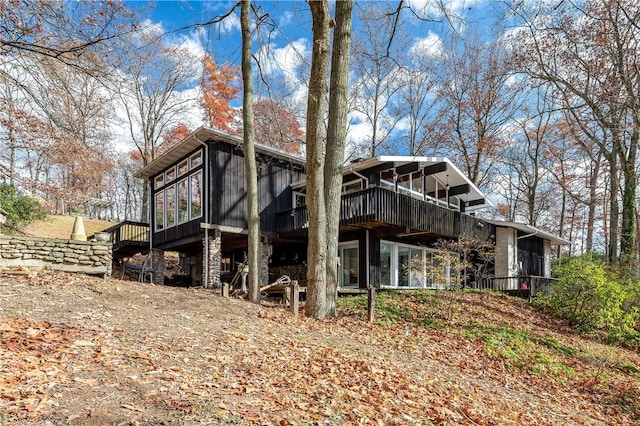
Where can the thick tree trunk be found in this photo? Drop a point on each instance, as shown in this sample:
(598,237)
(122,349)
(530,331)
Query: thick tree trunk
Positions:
(336,134)
(253,217)
(316,102)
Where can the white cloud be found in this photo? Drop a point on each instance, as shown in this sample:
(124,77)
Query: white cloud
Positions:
(429,46)
(230,24)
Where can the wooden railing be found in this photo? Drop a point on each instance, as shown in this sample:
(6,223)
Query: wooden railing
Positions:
(531,284)
(128,233)
(376,204)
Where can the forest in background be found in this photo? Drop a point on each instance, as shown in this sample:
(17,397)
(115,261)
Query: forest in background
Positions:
(541,111)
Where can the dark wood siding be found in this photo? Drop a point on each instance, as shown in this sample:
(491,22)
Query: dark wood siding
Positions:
(224,192)
(274,192)
(531,255)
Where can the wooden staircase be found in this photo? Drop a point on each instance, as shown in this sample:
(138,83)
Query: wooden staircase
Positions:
(128,238)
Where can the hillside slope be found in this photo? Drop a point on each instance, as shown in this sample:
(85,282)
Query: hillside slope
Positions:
(56,226)
(79,350)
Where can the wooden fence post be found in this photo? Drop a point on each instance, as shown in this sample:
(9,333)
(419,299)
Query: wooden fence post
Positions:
(295,297)
(225,289)
(371,301)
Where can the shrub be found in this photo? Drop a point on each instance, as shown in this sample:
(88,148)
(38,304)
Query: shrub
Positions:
(593,296)
(20,209)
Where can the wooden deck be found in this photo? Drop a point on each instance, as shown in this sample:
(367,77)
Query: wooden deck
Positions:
(128,238)
(377,207)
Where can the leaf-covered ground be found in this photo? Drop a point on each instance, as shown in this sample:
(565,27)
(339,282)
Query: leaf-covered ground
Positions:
(81,350)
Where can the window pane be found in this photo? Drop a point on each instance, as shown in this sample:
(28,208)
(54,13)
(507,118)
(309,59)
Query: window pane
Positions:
(403,266)
(171,206)
(428,262)
(350,264)
(171,174)
(183,201)
(159,181)
(159,211)
(385,264)
(417,268)
(196,159)
(183,167)
(196,195)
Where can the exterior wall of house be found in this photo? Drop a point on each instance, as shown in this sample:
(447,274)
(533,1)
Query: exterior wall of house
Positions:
(547,258)
(506,264)
(228,187)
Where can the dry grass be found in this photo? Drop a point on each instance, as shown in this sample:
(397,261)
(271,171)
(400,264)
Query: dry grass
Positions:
(61,227)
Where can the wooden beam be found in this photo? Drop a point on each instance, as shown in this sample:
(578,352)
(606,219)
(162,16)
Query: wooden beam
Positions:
(459,189)
(350,178)
(405,169)
(435,168)
(475,202)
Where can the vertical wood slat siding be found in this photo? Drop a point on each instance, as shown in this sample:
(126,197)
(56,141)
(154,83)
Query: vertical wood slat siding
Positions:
(376,204)
(225,193)
(274,193)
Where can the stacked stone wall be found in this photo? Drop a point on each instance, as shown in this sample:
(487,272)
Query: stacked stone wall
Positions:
(87,257)
(295,272)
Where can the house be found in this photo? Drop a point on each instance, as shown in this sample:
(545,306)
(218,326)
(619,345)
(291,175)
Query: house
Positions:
(522,256)
(393,210)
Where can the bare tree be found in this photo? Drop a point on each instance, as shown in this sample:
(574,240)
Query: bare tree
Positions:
(593,63)
(336,135)
(148,90)
(375,82)
(316,143)
(253,217)
(477,98)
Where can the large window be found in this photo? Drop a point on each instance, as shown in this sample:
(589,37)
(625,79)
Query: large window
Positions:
(406,266)
(179,202)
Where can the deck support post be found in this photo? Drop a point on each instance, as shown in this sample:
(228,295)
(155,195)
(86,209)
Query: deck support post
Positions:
(265,254)
(225,289)
(371,302)
(211,259)
(294,302)
(157,263)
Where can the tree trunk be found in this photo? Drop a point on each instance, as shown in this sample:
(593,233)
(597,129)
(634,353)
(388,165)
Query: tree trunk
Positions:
(336,134)
(316,102)
(253,217)
(593,195)
(614,209)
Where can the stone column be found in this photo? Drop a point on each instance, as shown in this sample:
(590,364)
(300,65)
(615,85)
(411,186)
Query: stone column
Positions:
(265,253)
(213,261)
(157,262)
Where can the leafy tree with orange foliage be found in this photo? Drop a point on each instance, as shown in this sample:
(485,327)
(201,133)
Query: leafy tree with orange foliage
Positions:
(220,85)
(172,136)
(278,127)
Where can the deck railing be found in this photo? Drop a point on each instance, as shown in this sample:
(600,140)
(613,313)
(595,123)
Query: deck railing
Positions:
(376,204)
(128,233)
(531,284)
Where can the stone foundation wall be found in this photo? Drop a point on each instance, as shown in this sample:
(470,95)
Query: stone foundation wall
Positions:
(295,272)
(60,255)
(263,260)
(215,255)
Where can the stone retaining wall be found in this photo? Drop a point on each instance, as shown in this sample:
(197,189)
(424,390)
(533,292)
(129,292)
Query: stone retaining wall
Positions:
(295,272)
(60,255)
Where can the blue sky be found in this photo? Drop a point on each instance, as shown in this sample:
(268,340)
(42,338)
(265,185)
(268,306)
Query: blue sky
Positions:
(284,51)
